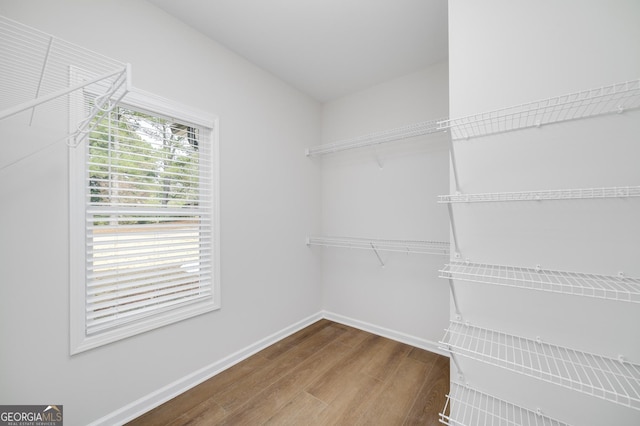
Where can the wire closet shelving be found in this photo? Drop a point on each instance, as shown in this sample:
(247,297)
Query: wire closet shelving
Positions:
(614,380)
(618,288)
(470,407)
(378,245)
(554,194)
(615,98)
(38,71)
(402,246)
(377,138)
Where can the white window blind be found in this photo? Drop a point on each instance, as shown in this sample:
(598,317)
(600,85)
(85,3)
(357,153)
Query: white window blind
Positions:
(149,220)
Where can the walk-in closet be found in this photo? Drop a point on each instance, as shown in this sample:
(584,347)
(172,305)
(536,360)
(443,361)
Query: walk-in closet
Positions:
(336,212)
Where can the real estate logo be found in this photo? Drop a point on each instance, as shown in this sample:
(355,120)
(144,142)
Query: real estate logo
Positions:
(31,415)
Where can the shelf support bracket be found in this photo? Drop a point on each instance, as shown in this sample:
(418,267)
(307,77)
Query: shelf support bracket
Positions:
(455,362)
(375,250)
(455,300)
(454,233)
(42,72)
(454,167)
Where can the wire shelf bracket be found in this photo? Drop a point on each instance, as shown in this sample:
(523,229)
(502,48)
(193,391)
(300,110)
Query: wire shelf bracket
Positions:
(555,194)
(615,98)
(470,407)
(378,138)
(617,288)
(614,380)
(378,245)
(37,69)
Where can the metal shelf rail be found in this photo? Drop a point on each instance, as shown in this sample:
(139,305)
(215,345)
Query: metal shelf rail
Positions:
(403,246)
(614,380)
(618,288)
(377,138)
(470,407)
(615,98)
(378,245)
(555,194)
(37,71)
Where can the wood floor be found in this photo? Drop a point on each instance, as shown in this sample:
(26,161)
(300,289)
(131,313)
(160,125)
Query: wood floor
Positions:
(325,374)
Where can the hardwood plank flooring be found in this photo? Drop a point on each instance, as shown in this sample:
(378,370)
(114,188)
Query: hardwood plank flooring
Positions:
(325,374)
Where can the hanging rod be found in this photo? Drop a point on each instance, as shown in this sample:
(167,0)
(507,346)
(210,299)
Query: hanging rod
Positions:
(471,407)
(554,194)
(402,246)
(372,139)
(614,380)
(617,288)
(604,100)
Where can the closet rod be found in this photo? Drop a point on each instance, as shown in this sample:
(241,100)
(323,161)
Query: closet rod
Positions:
(377,138)
(402,246)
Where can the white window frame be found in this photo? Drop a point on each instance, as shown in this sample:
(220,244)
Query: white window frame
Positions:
(150,104)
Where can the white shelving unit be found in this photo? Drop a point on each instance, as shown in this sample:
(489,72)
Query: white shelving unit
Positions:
(614,380)
(373,139)
(589,103)
(474,408)
(378,245)
(619,288)
(37,73)
(554,194)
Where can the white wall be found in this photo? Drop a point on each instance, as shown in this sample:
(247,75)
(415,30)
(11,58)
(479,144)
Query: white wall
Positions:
(269,202)
(397,201)
(505,53)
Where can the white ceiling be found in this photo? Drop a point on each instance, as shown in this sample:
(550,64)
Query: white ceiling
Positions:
(326,48)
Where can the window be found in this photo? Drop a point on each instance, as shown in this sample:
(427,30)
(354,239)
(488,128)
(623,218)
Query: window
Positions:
(144,220)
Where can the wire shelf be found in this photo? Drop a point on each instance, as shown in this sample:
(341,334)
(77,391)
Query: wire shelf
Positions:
(396,134)
(618,288)
(402,246)
(555,194)
(37,68)
(605,100)
(614,380)
(470,407)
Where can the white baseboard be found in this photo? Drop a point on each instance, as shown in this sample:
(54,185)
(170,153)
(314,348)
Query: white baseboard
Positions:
(164,394)
(418,342)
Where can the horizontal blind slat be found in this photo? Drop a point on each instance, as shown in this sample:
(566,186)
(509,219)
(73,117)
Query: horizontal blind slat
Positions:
(145,279)
(107,262)
(160,221)
(139,169)
(126,297)
(159,263)
(117,175)
(125,243)
(123,318)
(105,156)
(107,314)
(136,210)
